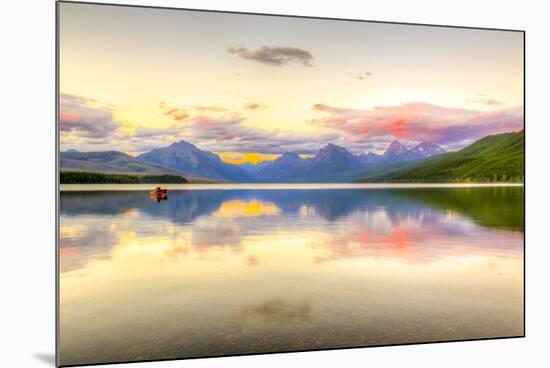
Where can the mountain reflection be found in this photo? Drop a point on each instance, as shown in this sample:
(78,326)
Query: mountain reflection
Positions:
(500,207)
(413,225)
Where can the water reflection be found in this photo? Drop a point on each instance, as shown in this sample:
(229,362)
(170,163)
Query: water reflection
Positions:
(214,272)
(500,207)
(415,225)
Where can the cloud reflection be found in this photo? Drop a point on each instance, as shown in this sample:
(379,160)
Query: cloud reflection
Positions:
(252,208)
(406,226)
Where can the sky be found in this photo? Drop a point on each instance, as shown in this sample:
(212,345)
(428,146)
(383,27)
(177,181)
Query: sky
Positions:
(252,87)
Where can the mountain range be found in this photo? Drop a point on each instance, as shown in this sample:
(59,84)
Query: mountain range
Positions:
(493,158)
(331,163)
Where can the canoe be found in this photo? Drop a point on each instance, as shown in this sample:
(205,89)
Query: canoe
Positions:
(157,192)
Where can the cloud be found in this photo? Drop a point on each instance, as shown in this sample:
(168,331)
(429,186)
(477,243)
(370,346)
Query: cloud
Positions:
(274,56)
(362,75)
(145,132)
(87,124)
(222,130)
(177,114)
(333,110)
(254,106)
(181,113)
(236,136)
(483,99)
(85,118)
(417,121)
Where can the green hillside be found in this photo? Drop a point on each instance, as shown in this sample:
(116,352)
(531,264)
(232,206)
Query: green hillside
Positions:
(495,158)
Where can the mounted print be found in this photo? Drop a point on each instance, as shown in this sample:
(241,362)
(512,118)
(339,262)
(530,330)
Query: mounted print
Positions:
(234,183)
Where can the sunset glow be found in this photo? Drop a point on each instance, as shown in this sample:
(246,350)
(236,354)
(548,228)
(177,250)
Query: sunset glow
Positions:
(241,158)
(252,88)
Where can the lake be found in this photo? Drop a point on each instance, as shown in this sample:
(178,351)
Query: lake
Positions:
(222,270)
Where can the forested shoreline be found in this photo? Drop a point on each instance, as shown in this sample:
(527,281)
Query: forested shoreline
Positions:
(81,177)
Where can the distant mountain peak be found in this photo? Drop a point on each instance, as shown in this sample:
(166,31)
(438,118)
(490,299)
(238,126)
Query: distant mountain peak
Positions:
(369,158)
(331,151)
(368,154)
(427,149)
(331,159)
(182,143)
(288,158)
(395,148)
(333,146)
(289,155)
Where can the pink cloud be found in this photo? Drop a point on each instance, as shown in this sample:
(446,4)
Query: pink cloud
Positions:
(417,121)
(79,117)
(69,116)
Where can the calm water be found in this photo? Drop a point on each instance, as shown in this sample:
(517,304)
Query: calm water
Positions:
(221,272)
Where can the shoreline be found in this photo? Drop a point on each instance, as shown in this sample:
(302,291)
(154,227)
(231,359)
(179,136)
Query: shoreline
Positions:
(274,186)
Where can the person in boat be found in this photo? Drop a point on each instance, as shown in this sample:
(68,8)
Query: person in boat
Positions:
(158,190)
(159,194)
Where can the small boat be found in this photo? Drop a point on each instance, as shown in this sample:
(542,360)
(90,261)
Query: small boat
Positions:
(158,191)
(159,194)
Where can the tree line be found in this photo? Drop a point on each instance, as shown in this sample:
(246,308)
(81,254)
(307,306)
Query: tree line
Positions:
(81,177)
